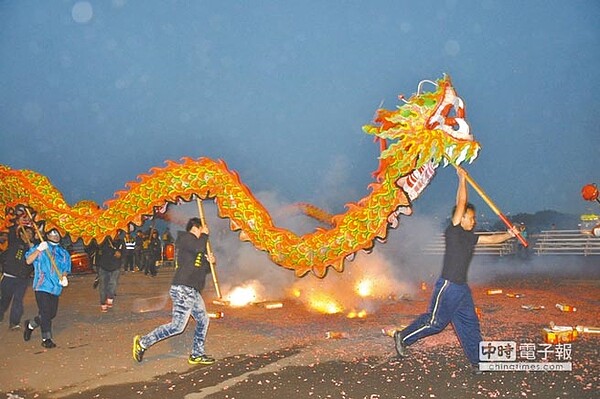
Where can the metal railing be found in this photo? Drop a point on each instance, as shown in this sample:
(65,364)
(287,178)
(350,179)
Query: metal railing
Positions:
(548,242)
(566,242)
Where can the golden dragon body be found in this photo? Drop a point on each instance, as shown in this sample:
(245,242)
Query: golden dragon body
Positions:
(420,132)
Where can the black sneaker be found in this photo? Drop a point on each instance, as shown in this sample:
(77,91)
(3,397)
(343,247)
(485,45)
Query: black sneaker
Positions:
(27,331)
(475,370)
(202,359)
(400,347)
(47,343)
(138,349)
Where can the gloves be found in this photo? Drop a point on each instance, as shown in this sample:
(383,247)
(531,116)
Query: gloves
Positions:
(63,281)
(42,246)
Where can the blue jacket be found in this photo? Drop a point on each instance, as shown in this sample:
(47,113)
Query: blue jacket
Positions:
(45,277)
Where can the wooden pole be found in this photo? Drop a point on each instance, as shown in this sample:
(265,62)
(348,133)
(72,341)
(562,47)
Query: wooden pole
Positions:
(213,270)
(491,204)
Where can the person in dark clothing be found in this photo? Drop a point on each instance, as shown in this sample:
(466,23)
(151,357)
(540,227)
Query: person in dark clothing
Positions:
(109,267)
(139,250)
(192,262)
(154,253)
(451,301)
(16,274)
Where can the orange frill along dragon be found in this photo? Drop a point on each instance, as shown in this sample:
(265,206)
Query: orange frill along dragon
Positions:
(420,132)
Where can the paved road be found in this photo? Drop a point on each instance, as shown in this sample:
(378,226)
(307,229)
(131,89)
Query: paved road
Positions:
(283,352)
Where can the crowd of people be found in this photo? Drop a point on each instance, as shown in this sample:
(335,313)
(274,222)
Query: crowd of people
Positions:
(31,257)
(27,251)
(137,252)
(125,253)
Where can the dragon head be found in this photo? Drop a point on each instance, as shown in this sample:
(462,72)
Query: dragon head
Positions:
(427,129)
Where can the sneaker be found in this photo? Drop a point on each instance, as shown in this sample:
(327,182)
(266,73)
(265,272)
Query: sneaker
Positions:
(138,349)
(104,308)
(47,343)
(400,347)
(27,331)
(475,370)
(109,302)
(14,327)
(202,359)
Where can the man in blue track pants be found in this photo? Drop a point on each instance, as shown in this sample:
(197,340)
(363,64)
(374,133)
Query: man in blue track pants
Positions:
(452,301)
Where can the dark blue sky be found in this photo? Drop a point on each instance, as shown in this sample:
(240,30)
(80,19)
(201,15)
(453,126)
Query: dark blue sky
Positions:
(94,93)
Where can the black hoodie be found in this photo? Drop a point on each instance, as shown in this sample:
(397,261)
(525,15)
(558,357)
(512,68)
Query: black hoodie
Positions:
(190,259)
(14,256)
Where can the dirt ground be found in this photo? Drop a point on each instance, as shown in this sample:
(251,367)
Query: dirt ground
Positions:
(274,353)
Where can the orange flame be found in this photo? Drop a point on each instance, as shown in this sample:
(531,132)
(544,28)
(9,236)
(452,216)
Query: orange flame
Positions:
(324,303)
(357,315)
(242,296)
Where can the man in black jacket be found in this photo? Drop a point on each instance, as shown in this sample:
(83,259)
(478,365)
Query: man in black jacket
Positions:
(109,268)
(192,262)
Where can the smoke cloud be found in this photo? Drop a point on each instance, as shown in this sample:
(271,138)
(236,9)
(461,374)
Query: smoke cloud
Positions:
(396,268)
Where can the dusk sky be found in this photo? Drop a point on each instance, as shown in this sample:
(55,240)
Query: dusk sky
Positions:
(95,93)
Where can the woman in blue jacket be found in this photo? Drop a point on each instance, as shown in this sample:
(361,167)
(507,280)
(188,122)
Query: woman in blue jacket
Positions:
(51,264)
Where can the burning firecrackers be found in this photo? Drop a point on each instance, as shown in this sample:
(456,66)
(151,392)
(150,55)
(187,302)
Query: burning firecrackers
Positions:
(353,314)
(364,288)
(355,293)
(565,308)
(514,295)
(324,303)
(242,296)
(494,291)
